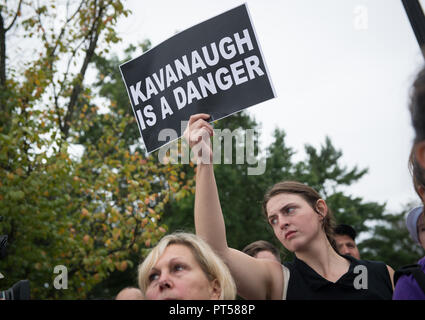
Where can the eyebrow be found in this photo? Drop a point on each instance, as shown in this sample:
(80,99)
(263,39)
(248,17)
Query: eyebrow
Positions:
(153,270)
(290,204)
(282,209)
(172,260)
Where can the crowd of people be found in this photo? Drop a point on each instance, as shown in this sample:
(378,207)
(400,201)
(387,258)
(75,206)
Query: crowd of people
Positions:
(326,265)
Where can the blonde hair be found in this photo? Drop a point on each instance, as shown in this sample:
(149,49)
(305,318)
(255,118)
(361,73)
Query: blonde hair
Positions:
(212,265)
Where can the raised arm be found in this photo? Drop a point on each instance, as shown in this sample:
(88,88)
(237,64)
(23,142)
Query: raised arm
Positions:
(255,278)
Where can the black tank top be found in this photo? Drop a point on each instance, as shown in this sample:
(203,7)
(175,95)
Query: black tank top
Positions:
(306,284)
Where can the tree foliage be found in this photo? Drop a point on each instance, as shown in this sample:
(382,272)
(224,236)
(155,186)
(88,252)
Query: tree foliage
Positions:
(91,211)
(167,182)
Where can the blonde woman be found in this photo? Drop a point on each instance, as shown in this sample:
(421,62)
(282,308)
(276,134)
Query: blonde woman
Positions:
(184,267)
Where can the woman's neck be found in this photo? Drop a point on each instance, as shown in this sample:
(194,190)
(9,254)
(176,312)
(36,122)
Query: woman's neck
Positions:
(322,258)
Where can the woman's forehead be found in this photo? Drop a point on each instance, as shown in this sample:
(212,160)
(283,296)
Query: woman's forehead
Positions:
(282,199)
(175,251)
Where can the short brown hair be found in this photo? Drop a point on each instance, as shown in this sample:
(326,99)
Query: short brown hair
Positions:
(261,245)
(308,194)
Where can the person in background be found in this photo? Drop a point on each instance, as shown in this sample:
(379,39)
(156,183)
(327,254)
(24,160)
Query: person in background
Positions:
(345,240)
(262,249)
(410,280)
(184,267)
(129,293)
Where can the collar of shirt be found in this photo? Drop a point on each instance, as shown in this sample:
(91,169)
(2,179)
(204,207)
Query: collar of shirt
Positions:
(317,282)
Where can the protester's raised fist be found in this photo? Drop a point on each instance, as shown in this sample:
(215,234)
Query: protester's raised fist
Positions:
(197,135)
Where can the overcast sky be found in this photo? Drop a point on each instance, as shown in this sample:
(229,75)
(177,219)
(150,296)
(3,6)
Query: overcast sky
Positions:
(341,69)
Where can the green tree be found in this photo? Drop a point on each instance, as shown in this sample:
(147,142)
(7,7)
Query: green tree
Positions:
(92,212)
(110,86)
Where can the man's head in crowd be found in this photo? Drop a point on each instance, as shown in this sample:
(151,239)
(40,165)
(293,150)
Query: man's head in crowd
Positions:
(345,239)
(262,250)
(129,294)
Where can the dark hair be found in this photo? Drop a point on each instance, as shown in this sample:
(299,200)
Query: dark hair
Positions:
(261,245)
(345,229)
(417,106)
(417,172)
(308,194)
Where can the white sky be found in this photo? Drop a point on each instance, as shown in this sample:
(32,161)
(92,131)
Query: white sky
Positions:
(331,77)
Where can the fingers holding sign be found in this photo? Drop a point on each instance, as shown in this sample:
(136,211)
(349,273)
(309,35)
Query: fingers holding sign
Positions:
(197,135)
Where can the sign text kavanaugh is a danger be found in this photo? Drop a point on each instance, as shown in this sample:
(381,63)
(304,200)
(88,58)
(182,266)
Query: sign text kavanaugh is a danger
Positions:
(209,84)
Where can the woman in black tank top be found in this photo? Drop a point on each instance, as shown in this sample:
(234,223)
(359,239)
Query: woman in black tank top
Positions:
(304,225)
(370,283)
(302,222)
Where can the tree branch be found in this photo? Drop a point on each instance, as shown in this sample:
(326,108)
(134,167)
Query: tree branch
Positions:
(93,37)
(63,27)
(14,18)
(2,58)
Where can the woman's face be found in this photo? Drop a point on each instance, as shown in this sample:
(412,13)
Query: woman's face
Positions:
(178,276)
(294,221)
(421,229)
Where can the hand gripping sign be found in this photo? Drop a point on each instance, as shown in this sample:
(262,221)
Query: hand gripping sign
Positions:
(215,67)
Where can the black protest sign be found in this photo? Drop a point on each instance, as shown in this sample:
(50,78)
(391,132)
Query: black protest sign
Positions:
(215,67)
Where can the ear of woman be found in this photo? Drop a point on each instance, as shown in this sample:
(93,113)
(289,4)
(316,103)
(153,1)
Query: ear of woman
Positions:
(215,290)
(322,207)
